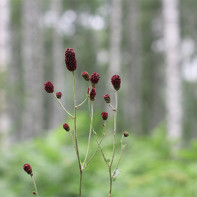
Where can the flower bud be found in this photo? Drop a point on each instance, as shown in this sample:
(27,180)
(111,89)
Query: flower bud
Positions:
(66,127)
(125,133)
(116,81)
(85,75)
(27,168)
(104,115)
(58,95)
(107,98)
(34,192)
(48,86)
(92,94)
(94,78)
(70,59)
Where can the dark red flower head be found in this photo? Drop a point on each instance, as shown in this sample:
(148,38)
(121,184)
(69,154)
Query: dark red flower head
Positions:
(94,78)
(116,81)
(92,94)
(85,75)
(126,134)
(48,86)
(107,98)
(66,127)
(58,95)
(27,168)
(70,59)
(104,115)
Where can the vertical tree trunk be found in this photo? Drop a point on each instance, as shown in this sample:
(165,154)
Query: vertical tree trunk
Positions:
(132,90)
(4,61)
(115,38)
(58,115)
(32,57)
(173,75)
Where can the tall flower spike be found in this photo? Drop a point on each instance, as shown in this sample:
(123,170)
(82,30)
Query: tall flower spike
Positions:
(27,168)
(94,78)
(70,59)
(104,115)
(85,75)
(48,86)
(92,94)
(107,98)
(116,81)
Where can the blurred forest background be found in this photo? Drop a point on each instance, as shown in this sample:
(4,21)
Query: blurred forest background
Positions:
(151,44)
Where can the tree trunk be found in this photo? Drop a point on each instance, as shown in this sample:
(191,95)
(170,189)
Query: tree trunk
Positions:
(58,115)
(133,76)
(4,61)
(115,38)
(173,75)
(32,57)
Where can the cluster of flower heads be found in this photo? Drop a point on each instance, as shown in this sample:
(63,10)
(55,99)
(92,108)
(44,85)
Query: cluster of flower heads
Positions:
(71,65)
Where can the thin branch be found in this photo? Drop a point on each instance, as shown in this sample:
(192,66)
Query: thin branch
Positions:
(35,187)
(82,102)
(63,106)
(90,134)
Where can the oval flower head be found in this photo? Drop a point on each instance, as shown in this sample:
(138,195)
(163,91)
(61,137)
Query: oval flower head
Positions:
(27,168)
(104,115)
(70,59)
(94,78)
(48,86)
(116,81)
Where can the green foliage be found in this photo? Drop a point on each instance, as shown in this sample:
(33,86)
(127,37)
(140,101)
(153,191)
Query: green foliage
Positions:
(146,169)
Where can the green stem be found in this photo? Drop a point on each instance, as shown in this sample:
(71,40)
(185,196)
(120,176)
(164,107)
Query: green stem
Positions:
(62,106)
(114,143)
(122,148)
(90,133)
(34,183)
(82,102)
(75,135)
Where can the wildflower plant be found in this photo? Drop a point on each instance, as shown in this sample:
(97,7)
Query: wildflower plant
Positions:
(93,79)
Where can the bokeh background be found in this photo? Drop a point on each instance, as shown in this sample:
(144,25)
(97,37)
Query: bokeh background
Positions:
(151,44)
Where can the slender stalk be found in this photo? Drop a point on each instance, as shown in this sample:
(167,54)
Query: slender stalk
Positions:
(115,122)
(75,135)
(82,102)
(62,106)
(34,183)
(113,108)
(100,149)
(122,148)
(114,142)
(72,139)
(97,147)
(89,99)
(90,134)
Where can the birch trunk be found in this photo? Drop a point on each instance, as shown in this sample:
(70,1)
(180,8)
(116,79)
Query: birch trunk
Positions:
(173,75)
(32,57)
(58,115)
(115,39)
(132,90)
(4,61)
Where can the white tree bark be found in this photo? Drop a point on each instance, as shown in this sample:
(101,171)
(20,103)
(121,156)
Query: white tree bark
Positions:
(133,75)
(58,115)
(4,61)
(173,75)
(115,38)
(32,57)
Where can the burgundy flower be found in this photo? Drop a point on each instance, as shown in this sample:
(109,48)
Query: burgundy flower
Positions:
(27,168)
(85,75)
(116,81)
(94,78)
(48,86)
(92,94)
(70,59)
(66,127)
(104,115)
(107,98)
(58,95)
(126,134)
